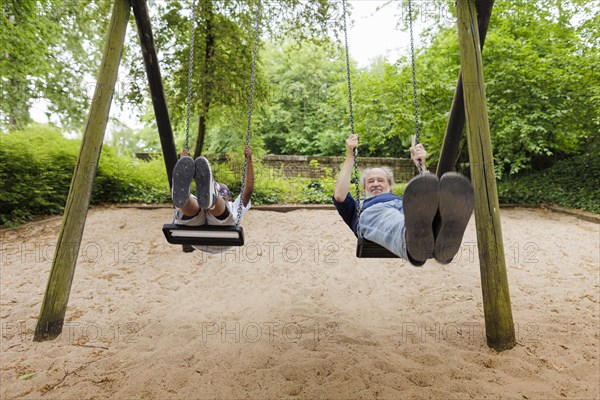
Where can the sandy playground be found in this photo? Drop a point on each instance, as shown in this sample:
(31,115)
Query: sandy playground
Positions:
(293,314)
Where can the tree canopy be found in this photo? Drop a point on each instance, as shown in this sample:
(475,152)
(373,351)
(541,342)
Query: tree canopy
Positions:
(49,50)
(223,47)
(540,59)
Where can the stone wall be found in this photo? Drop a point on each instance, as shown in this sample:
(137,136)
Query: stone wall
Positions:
(317,167)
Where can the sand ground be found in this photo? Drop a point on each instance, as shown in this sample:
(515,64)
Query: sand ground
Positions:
(293,314)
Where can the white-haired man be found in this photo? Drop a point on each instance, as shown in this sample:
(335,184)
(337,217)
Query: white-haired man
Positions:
(405,225)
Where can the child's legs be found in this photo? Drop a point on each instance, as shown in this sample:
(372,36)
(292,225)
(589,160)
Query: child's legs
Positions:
(191,207)
(219,208)
(211,217)
(190,220)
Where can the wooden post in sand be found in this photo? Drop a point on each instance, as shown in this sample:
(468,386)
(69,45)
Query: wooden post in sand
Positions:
(499,327)
(54,305)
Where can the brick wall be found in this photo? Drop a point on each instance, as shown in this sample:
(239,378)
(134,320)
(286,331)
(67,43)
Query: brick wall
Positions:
(316,167)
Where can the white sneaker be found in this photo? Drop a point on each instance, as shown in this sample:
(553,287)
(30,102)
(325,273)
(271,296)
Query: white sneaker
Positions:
(206,188)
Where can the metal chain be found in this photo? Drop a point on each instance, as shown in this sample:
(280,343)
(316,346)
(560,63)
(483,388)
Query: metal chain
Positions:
(355,168)
(250,106)
(348,70)
(414,81)
(190,70)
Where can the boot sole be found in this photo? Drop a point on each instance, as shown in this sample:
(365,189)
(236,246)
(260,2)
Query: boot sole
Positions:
(420,201)
(183,174)
(457,201)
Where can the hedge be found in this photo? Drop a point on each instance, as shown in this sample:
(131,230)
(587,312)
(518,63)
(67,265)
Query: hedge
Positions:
(572,183)
(37,166)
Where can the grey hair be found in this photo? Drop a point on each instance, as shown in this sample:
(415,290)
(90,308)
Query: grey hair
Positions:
(388,174)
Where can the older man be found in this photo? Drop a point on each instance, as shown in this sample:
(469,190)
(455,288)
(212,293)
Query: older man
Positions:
(405,225)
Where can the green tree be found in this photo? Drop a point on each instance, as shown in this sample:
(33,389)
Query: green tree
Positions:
(48,50)
(542,89)
(224,39)
(383,109)
(306,113)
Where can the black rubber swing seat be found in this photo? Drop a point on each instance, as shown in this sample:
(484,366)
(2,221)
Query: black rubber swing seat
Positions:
(421,203)
(367,249)
(204,235)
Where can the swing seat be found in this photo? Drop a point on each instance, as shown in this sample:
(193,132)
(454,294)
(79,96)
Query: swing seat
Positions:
(204,235)
(367,249)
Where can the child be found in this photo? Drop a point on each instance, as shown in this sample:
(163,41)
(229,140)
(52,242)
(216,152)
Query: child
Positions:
(213,203)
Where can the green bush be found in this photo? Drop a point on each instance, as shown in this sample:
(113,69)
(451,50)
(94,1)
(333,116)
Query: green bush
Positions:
(123,180)
(269,186)
(315,192)
(573,183)
(37,168)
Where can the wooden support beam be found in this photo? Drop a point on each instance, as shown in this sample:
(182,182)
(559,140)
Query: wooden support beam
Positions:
(142,19)
(499,327)
(54,305)
(456,121)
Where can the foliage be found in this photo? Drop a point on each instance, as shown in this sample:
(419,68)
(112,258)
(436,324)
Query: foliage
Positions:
(573,183)
(223,49)
(35,179)
(121,179)
(305,114)
(37,167)
(537,110)
(383,110)
(44,57)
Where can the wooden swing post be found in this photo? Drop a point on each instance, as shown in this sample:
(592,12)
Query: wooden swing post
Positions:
(456,121)
(54,305)
(499,327)
(161,114)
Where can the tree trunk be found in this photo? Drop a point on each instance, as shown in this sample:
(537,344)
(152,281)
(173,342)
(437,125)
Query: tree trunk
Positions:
(201,136)
(207,78)
(17,91)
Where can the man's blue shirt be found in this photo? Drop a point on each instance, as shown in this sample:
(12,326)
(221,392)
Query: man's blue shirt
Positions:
(347,208)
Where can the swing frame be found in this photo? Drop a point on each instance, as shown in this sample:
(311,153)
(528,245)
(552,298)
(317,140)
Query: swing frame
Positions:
(472,21)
